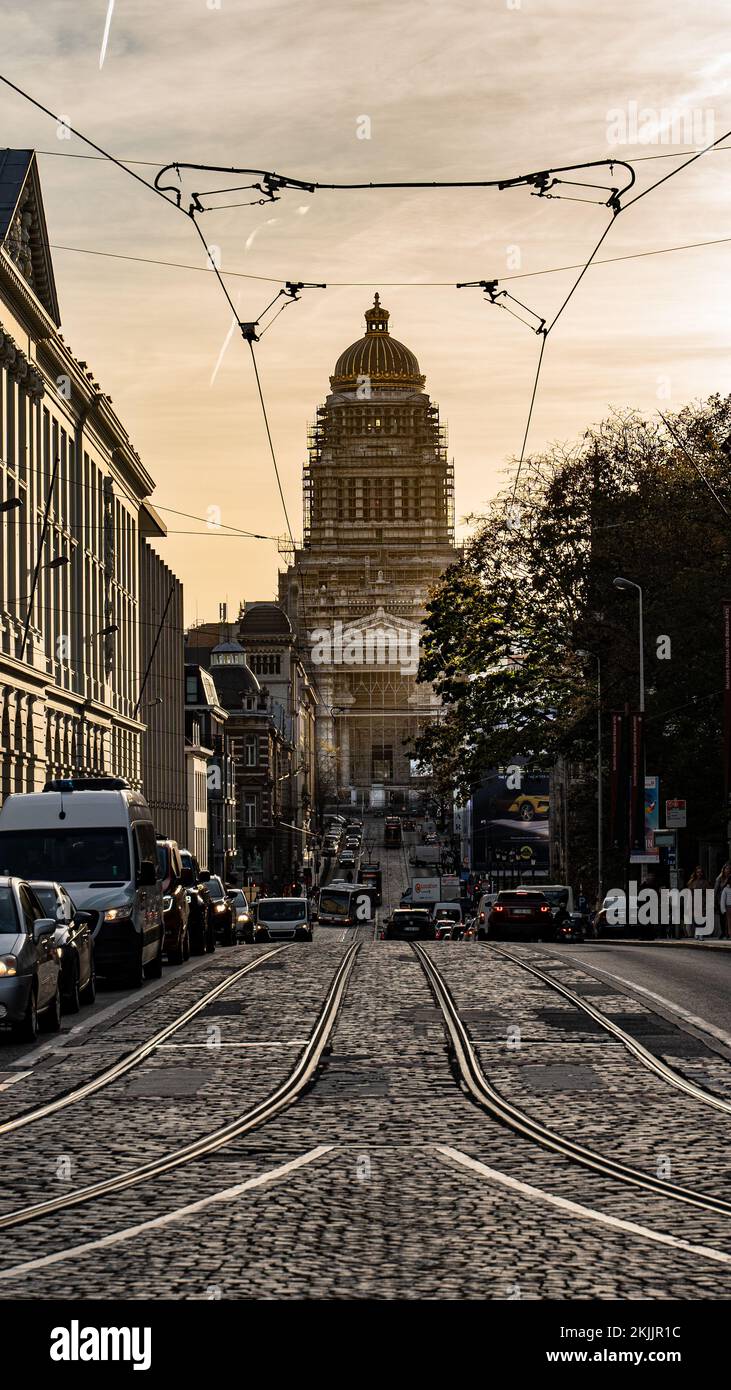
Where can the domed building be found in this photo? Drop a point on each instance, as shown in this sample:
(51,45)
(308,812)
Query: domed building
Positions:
(378,533)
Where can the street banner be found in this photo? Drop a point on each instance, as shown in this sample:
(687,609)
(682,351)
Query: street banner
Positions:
(619,772)
(727,701)
(676,814)
(652,804)
(637,782)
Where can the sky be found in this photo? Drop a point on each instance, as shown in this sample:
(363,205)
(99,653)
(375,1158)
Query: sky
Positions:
(409,89)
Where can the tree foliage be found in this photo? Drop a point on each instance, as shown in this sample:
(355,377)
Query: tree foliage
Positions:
(533,590)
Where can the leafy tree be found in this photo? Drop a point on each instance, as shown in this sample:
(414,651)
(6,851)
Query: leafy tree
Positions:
(509,621)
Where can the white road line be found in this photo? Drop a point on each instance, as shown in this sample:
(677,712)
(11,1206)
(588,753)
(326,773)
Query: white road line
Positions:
(208,1047)
(670,1004)
(576,1209)
(138,998)
(12,1080)
(157,1223)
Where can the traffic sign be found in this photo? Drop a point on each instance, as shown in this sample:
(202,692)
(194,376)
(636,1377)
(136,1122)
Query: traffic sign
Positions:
(676,814)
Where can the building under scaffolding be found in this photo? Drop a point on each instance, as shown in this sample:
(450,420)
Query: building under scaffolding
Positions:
(378,503)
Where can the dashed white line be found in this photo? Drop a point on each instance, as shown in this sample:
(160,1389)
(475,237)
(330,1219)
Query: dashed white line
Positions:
(157,1223)
(576,1209)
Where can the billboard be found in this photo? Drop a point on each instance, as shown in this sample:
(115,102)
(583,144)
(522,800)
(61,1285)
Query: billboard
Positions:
(510,825)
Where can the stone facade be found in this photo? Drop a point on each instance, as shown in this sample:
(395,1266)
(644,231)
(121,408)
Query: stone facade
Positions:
(378,533)
(71,490)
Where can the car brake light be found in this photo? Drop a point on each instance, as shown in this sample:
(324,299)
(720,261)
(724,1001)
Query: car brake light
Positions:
(482,916)
(545,907)
(498,908)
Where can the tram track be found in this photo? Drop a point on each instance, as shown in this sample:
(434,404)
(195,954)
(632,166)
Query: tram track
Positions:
(646,1058)
(479,1088)
(137,1055)
(283,1096)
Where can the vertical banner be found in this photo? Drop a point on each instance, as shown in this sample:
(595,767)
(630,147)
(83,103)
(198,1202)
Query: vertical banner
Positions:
(727,701)
(637,782)
(619,776)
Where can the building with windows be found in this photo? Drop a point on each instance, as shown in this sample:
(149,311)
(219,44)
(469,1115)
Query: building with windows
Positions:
(73,499)
(378,533)
(206,726)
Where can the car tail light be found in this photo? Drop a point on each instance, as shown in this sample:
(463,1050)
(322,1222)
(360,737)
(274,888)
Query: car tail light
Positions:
(545,907)
(498,908)
(482,916)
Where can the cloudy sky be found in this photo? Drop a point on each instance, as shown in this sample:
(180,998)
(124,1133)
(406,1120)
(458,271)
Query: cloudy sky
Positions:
(452,89)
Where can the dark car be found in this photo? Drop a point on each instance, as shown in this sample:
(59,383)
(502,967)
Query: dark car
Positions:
(520,913)
(175,906)
(220,910)
(409,924)
(201,931)
(243,917)
(30,969)
(74,945)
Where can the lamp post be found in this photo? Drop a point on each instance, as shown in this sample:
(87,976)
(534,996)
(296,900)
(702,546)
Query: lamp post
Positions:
(599,826)
(625,585)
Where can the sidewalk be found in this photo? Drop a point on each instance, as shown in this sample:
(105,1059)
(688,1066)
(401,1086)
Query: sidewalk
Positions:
(709,944)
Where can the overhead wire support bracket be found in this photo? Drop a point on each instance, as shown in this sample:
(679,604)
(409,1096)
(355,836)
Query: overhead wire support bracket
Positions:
(270,184)
(493,295)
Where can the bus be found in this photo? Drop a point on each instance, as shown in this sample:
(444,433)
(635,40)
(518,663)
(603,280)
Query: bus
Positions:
(392,832)
(345,905)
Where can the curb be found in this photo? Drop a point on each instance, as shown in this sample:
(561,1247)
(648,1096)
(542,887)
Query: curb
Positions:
(687,943)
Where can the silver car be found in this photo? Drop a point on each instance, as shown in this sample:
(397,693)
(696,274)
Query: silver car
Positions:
(30,968)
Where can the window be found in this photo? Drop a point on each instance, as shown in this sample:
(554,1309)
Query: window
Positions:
(145,843)
(252,751)
(191,689)
(32,911)
(249,812)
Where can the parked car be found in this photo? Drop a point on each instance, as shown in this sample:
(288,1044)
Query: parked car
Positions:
(175,906)
(220,910)
(282,919)
(520,912)
(243,916)
(74,945)
(30,968)
(201,931)
(96,837)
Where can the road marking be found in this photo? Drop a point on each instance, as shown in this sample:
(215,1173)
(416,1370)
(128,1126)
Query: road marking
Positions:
(576,1208)
(674,1008)
(96,1016)
(12,1080)
(157,1223)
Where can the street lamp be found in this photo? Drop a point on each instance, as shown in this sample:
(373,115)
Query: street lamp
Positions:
(11,505)
(626,585)
(599,831)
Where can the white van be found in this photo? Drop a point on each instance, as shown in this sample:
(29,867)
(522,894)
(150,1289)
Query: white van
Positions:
(97,838)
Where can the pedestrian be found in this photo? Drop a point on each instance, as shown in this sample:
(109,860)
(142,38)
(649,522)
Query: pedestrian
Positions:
(725,906)
(718,887)
(698,883)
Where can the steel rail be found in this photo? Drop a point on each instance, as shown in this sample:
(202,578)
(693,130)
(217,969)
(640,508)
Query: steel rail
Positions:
(642,1054)
(265,1110)
(481,1091)
(138,1055)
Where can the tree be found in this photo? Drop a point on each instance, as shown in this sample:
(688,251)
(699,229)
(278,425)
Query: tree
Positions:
(533,590)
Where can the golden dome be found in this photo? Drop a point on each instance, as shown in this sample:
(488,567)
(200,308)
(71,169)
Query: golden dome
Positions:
(378,357)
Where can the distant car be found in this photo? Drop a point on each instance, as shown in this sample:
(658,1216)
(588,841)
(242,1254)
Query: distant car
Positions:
(409,924)
(220,910)
(175,905)
(347,856)
(611,920)
(450,913)
(352,842)
(282,919)
(520,913)
(483,908)
(443,929)
(243,916)
(408,824)
(74,945)
(30,969)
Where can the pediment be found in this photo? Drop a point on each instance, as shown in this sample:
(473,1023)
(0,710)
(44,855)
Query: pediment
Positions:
(23,231)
